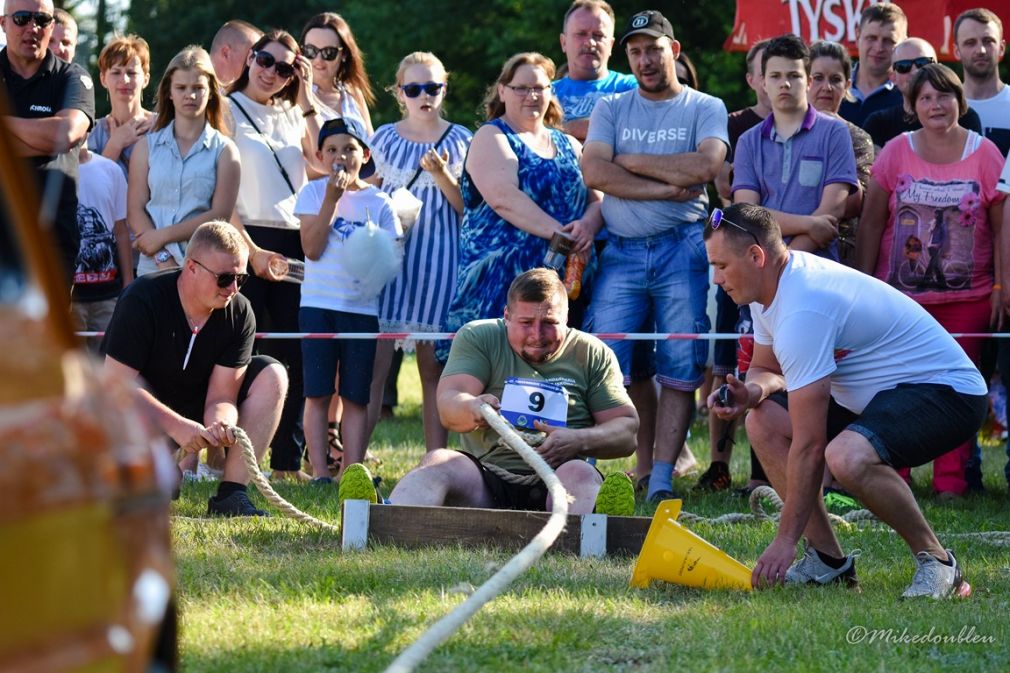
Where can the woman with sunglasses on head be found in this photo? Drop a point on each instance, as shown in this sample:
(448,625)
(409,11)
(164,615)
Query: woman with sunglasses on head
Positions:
(830,81)
(186,171)
(522,184)
(124,67)
(423,153)
(275,121)
(930,223)
(339,79)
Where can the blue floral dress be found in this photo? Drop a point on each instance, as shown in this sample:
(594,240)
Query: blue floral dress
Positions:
(492,251)
(417,300)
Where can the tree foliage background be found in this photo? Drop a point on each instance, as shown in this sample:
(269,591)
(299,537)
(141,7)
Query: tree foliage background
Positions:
(472,37)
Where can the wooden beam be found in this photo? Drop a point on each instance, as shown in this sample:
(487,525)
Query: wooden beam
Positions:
(414,527)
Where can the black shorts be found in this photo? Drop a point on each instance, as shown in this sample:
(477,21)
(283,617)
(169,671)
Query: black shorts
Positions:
(505,495)
(911,424)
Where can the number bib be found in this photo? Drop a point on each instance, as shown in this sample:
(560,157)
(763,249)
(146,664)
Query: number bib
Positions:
(526,400)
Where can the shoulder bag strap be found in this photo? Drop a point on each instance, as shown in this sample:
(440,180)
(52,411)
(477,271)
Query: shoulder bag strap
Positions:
(284,173)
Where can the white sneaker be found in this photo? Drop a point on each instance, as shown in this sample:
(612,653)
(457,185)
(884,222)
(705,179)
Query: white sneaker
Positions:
(810,569)
(935,579)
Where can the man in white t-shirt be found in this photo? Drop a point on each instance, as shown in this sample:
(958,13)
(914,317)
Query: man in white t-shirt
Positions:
(979,45)
(874,383)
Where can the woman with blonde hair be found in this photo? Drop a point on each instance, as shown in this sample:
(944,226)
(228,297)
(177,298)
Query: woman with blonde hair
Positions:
(339,79)
(124,68)
(186,171)
(521,184)
(423,152)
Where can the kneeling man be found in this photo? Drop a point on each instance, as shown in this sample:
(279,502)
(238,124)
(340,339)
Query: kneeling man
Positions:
(528,365)
(874,383)
(188,334)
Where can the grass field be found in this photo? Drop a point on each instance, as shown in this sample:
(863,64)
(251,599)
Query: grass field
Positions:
(271,595)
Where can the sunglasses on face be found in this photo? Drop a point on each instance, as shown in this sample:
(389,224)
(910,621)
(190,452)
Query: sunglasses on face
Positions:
(224,280)
(328,53)
(21,19)
(717,219)
(266,60)
(414,89)
(904,66)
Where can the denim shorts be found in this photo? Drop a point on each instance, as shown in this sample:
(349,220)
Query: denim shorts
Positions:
(322,357)
(666,275)
(911,424)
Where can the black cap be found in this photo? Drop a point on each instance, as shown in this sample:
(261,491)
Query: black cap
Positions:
(649,22)
(352,128)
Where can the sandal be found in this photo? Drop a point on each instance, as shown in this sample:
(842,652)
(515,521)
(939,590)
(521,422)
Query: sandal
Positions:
(335,455)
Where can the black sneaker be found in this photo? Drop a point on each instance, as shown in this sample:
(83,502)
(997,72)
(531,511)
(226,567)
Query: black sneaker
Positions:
(236,504)
(715,478)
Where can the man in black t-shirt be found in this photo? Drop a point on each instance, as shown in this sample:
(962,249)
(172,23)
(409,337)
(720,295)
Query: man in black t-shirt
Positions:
(189,335)
(53,107)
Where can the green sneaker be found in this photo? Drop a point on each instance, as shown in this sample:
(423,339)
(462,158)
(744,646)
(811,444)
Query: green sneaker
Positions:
(356,484)
(838,501)
(616,496)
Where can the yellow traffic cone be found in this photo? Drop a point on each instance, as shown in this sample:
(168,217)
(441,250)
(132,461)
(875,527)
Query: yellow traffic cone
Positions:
(674,554)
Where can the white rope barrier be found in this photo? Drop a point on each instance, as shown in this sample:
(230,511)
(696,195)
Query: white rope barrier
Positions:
(448,625)
(603,336)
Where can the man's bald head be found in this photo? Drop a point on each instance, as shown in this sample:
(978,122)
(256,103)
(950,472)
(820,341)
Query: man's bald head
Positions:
(230,47)
(909,50)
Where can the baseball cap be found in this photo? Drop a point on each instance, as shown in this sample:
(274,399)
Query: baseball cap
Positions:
(352,128)
(649,22)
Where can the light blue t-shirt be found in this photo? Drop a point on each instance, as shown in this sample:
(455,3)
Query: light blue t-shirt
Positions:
(632,124)
(578,97)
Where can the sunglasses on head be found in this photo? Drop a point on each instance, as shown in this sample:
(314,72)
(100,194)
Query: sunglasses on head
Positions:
(224,280)
(266,60)
(21,18)
(328,53)
(904,66)
(717,219)
(414,89)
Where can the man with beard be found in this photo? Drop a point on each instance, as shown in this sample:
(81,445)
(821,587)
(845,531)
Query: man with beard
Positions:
(979,44)
(651,151)
(188,334)
(543,376)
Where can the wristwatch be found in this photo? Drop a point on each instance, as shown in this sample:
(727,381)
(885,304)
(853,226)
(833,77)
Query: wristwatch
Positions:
(162,256)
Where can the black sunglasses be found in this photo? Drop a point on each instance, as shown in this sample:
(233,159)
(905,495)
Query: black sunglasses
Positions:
(22,18)
(266,60)
(904,66)
(224,280)
(716,220)
(328,53)
(413,90)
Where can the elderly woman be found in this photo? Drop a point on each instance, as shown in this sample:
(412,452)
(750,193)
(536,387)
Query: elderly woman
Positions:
(929,224)
(521,184)
(830,80)
(275,120)
(124,68)
(339,79)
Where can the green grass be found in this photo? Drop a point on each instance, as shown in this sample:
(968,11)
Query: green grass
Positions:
(272,595)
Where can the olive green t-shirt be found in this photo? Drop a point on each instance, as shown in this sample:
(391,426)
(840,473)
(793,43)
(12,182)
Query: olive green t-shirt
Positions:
(584,366)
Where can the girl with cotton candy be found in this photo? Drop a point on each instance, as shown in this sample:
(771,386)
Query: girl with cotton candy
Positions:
(423,154)
(349,232)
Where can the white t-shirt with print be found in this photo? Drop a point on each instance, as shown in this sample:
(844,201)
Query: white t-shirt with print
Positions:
(829,320)
(327,284)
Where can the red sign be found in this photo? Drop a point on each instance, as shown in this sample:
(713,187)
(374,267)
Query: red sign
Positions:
(837,20)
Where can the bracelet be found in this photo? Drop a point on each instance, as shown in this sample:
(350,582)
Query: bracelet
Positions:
(311,111)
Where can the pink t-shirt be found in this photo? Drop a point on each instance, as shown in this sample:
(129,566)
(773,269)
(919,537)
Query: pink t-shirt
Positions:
(937,246)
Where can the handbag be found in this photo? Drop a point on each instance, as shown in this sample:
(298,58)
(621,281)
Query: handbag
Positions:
(284,173)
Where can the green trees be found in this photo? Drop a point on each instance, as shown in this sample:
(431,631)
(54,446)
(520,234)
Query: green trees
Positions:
(472,37)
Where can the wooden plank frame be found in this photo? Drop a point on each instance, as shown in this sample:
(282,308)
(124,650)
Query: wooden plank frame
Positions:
(591,535)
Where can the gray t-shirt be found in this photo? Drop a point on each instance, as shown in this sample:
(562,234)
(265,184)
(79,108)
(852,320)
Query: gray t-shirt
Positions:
(632,124)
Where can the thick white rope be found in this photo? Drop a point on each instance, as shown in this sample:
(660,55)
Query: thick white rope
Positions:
(249,455)
(445,627)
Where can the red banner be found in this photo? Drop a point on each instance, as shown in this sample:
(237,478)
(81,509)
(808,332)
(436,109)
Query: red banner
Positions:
(932,20)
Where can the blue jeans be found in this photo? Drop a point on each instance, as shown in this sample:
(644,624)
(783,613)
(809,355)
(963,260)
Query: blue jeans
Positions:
(666,275)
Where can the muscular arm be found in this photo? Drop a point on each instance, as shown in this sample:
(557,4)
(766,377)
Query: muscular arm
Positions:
(458,398)
(221,406)
(681,170)
(612,436)
(49,135)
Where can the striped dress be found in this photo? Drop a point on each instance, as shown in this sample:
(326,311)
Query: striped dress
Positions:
(418,299)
